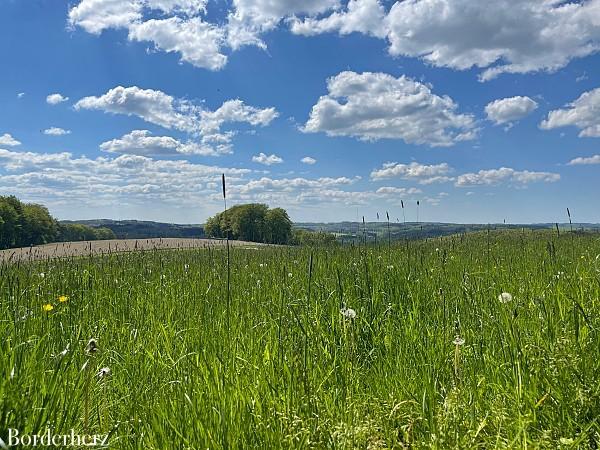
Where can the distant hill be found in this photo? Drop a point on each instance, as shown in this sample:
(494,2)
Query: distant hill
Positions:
(138,229)
(349,231)
(345,231)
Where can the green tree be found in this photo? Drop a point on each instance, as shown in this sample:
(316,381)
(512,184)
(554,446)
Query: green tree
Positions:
(39,227)
(278,226)
(251,222)
(10,222)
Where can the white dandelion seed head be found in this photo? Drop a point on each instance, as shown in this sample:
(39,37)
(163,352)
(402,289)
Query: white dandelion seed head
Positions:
(505,297)
(104,372)
(458,340)
(92,346)
(348,313)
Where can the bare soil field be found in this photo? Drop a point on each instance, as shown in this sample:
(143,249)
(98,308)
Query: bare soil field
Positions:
(87,248)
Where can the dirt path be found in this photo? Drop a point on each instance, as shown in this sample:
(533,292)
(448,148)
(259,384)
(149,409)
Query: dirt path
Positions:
(85,248)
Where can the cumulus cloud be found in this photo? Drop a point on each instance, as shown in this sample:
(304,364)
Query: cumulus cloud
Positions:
(9,141)
(53,177)
(156,107)
(141,142)
(504,175)
(497,36)
(198,42)
(362,16)
(582,113)
(398,190)
(262,158)
(413,170)
(249,19)
(55,131)
(308,160)
(508,110)
(55,99)
(585,161)
(500,36)
(372,106)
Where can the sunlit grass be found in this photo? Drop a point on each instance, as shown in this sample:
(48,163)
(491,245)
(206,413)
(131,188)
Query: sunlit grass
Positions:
(416,345)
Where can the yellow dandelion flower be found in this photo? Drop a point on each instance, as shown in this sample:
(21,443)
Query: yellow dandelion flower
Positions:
(47,307)
(63,298)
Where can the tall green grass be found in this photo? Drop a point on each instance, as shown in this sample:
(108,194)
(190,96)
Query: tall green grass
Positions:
(281,367)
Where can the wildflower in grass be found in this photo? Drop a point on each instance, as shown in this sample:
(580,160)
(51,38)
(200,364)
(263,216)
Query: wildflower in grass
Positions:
(47,307)
(290,275)
(348,313)
(186,267)
(390,267)
(42,274)
(505,297)
(92,347)
(458,340)
(63,298)
(104,372)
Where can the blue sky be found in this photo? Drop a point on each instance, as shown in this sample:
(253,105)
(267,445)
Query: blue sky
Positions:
(483,111)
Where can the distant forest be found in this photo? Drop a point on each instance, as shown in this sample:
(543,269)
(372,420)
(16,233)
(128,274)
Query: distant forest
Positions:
(25,224)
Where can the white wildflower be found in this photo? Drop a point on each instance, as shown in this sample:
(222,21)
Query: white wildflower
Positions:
(348,313)
(104,372)
(42,274)
(458,340)
(91,347)
(505,297)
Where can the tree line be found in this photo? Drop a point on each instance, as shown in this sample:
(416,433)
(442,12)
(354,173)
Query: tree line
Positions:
(255,222)
(25,224)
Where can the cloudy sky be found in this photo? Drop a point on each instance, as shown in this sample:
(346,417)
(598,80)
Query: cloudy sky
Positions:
(483,110)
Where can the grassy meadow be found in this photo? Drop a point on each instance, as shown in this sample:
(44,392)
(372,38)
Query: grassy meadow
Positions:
(368,347)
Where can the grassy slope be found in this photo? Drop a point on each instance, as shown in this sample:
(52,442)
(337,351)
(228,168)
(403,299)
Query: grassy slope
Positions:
(279,367)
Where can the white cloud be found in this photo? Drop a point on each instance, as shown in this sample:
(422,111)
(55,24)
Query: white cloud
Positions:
(150,105)
(510,109)
(582,113)
(308,160)
(9,141)
(82,181)
(505,175)
(55,131)
(408,171)
(161,109)
(372,106)
(362,16)
(251,18)
(585,161)
(500,36)
(21,94)
(94,16)
(398,191)
(55,99)
(198,42)
(262,158)
(141,142)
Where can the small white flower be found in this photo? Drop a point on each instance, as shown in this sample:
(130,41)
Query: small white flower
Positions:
(104,372)
(390,267)
(458,340)
(42,274)
(91,347)
(348,313)
(186,267)
(505,297)
(290,275)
